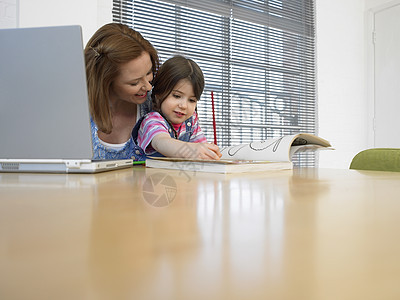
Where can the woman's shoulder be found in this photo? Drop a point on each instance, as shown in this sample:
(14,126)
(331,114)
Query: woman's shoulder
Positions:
(94,129)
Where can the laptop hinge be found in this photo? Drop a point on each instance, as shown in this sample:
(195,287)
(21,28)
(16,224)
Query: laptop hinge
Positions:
(73,164)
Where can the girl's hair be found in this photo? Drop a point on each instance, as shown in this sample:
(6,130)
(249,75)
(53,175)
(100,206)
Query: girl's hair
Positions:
(170,73)
(111,46)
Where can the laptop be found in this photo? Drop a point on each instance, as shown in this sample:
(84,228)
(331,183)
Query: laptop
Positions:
(44,111)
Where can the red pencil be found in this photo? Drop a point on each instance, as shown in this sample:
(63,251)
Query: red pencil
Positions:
(213,117)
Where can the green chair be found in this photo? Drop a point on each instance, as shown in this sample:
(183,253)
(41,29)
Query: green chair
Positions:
(378,159)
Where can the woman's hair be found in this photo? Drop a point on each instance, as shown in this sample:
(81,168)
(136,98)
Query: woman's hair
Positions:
(170,73)
(111,46)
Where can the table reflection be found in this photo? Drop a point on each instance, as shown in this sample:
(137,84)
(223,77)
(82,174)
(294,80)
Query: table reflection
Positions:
(208,228)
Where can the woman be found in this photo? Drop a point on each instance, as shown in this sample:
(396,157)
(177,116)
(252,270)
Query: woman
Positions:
(120,66)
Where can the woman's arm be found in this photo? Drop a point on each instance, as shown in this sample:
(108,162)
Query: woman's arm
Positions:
(170,147)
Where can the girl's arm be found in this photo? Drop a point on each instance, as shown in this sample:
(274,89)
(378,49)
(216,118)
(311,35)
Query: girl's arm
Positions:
(170,147)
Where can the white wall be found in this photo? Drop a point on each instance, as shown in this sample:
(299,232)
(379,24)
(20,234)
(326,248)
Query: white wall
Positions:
(341,58)
(379,4)
(344,71)
(90,14)
(8,13)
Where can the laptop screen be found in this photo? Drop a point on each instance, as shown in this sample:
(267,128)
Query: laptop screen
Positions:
(43,100)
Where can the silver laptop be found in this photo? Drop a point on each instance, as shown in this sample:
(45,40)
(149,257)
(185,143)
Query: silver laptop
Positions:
(44,113)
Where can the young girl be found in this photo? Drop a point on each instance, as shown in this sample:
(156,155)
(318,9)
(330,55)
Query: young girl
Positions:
(172,128)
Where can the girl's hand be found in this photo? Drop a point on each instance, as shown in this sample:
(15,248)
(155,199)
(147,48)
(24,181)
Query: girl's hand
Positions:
(206,151)
(170,147)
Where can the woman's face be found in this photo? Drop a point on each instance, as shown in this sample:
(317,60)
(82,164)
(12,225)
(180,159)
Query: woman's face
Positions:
(133,81)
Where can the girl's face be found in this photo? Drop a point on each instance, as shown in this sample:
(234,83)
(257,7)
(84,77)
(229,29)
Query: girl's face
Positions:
(180,104)
(133,81)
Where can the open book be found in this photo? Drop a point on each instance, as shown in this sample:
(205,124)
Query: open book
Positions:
(276,149)
(270,154)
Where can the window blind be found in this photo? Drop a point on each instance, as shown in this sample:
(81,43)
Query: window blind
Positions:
(257,57)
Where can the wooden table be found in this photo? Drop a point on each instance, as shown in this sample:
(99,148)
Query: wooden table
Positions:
(154,234)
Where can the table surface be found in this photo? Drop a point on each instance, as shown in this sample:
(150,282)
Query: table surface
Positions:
(144,233)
